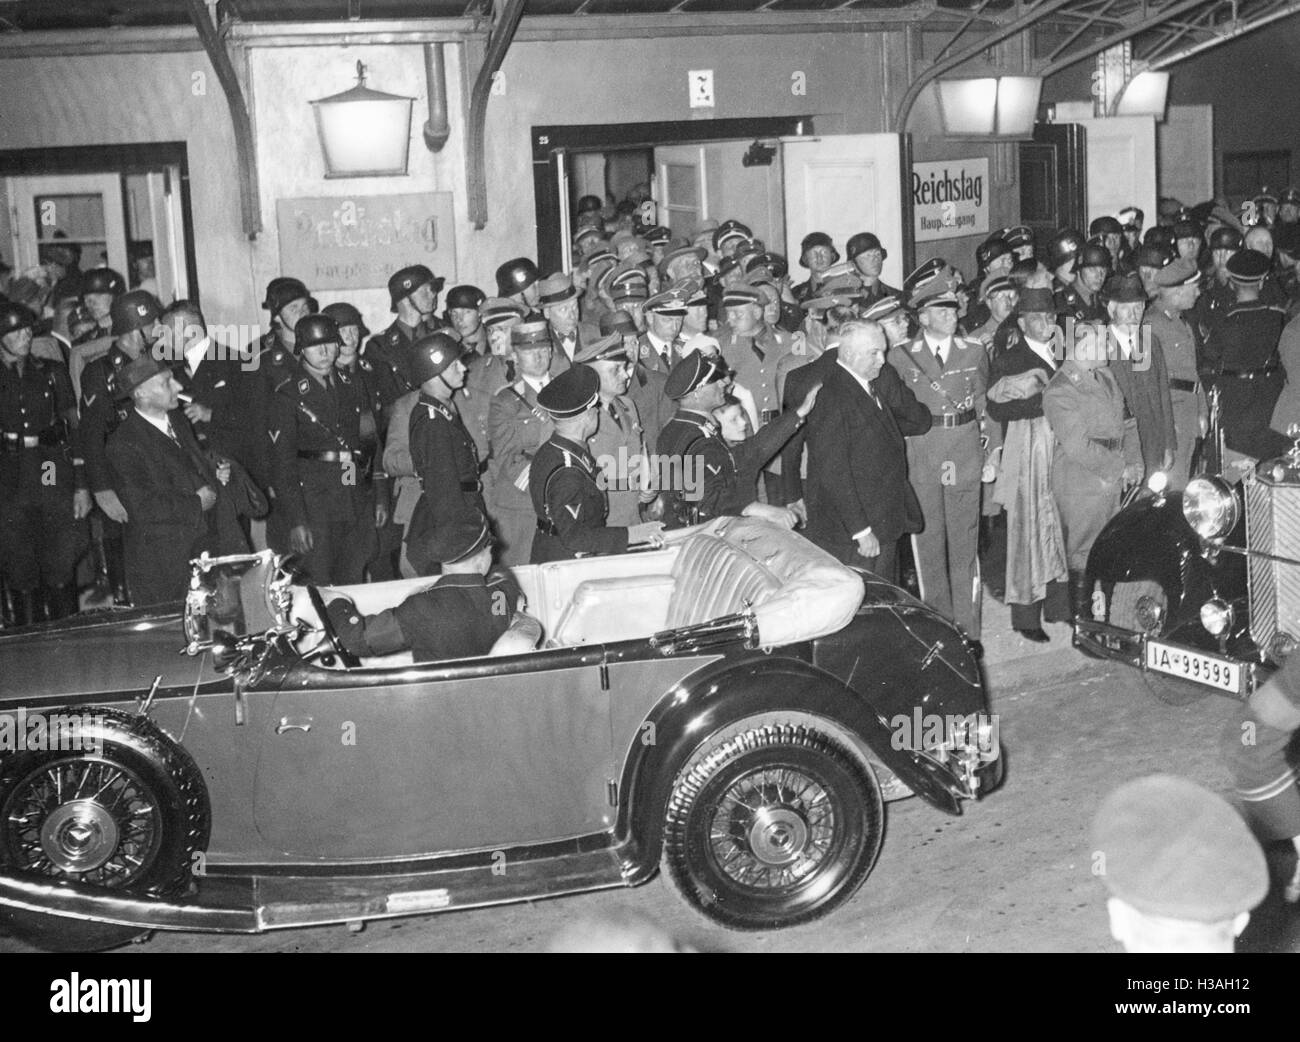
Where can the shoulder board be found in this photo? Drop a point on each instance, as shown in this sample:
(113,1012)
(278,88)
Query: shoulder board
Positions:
(343,375)
(365,364)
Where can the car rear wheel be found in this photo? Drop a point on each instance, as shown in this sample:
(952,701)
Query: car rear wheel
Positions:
(1143,607)
(116,805)
(772,827)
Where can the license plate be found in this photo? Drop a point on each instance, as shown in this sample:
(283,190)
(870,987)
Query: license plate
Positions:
(1194,666)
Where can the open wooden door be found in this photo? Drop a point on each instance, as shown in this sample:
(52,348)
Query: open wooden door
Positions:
(842,185)
(84,209)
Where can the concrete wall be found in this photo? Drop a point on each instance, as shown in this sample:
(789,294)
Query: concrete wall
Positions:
(847,82)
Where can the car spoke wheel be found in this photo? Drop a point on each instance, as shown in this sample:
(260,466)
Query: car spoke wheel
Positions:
(121,808)
(772,827)
(1144,608)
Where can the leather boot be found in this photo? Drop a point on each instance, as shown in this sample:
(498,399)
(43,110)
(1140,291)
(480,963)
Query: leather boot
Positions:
(1080,596)
(61,601)
(25,602)
(115,561)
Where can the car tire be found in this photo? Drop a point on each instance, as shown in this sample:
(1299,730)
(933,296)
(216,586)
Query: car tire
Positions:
(1125,611)
(130,815)
(772,827)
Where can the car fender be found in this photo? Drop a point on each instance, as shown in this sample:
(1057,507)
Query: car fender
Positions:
(1149,539)
(728,692)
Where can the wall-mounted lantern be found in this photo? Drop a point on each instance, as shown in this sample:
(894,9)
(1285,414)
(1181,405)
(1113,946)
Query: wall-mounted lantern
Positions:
(364,132)
(990,107)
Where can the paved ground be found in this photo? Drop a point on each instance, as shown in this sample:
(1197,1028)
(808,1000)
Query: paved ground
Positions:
(1012,874)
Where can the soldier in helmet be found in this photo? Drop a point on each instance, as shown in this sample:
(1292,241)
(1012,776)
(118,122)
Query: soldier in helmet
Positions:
(1188,240)
(816,253)
(442,450)
(462,316)
(413,294)
(1110,233)
(272,360)
(137,326)
(1216,287)
(1082,300)
(517,280)
(42,521)
(570,505)
(325,510)
(1062,259)
(867,256)
(99,288)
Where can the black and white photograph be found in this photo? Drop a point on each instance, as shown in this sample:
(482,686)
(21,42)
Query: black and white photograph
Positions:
(651,476)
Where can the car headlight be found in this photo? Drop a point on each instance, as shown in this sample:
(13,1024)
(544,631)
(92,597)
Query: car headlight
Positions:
(1210,507)
(1216,616)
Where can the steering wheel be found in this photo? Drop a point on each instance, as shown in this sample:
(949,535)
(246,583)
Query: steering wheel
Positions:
(318,602)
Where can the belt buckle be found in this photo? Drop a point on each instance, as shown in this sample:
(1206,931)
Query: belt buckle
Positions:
(345,456)
(768,415)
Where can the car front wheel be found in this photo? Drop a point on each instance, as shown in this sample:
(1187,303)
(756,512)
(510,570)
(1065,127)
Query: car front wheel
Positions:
(1143,606)
(125,811)
(772,827)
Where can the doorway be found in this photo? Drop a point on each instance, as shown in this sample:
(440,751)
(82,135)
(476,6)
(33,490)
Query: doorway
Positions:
(1054,181)
(124,207)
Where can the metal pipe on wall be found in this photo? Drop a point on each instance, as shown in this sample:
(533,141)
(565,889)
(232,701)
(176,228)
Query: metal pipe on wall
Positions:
(437,129)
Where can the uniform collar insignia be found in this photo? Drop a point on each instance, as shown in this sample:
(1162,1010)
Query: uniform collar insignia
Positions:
(303,386)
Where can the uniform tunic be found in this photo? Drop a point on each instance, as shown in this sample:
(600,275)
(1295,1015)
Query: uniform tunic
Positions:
(391,350)
(1242,356)
(517,428)
(701,471)
(1070,303)
(945,465)
(447,464)
(1180,344)
(320,474)
(40,541)
(569,503)
(1086,412)
(619,448)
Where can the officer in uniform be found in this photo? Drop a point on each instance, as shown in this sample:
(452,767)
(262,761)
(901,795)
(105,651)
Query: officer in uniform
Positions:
(1085,409)
(136,328)
(99,288)
(1082,300)
(1177,287)
(702,475)
(1241,354)
(461,615)
(563,481)
(1182,868)
(413,293)
(659,347)
(42,521)
(517,280)
(517,428)
(325,510)
(948,375)
(489,372)
(647,385)
(618,444)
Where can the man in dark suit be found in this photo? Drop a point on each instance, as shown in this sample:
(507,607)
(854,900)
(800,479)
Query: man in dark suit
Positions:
(209,374)
(858,496)
(175,497)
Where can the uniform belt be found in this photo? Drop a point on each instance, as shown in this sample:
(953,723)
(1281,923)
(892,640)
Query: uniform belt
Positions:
(768,415)
(1108,443)
(953,419)
(342,456)
(51,437)
(547,528)
(1176,384)
(471,486)
(1251,374)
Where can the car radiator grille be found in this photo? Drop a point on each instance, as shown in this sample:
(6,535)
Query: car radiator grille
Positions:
(1273,526)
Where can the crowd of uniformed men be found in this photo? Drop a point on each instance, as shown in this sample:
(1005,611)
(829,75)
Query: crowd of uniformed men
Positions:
(660,382)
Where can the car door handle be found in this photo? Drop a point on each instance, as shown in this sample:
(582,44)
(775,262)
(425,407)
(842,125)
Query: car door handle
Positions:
(293,723)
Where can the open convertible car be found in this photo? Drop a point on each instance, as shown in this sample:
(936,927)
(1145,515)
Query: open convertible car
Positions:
(737,705)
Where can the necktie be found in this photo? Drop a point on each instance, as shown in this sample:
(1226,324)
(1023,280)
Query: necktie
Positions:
(938,356)
(758,351)
(613,415)
(171,432)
